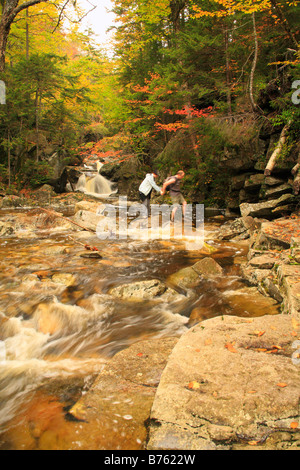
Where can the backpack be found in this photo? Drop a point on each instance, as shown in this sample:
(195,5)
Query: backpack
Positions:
(170,185)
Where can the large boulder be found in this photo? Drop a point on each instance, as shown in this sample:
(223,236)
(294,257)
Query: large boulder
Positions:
(208,267)
(229,382)
(128,173)
(267,209)
(153,289)
(188,278)
(88,220)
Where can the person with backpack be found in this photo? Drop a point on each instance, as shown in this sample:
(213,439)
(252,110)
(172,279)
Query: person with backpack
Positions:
(173,186)
(146,188)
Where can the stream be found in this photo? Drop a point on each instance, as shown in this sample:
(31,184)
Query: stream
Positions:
(59,325)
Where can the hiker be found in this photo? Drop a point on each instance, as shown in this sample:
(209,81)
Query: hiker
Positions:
(173,185)
(147,187)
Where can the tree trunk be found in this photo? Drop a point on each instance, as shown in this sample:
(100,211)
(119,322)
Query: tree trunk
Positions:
(254,64)
(228,73)
(11,9)
(296,174)
(37,122)
(9,158)
(272,161)
(27,34)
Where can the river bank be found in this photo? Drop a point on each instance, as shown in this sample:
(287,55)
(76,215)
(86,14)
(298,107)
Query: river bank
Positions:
(199,358)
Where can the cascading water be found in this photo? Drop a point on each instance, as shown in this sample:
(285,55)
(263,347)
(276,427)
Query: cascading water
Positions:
(94,183)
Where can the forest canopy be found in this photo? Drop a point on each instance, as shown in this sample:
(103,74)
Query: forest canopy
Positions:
(178,67)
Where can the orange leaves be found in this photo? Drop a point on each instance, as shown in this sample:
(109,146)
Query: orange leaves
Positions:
(172,127)
(282,385)
(230,347)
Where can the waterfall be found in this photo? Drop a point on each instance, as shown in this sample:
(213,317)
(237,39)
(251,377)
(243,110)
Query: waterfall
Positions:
(93,183)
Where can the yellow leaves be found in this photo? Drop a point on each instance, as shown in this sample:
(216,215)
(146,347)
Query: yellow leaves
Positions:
(295,324)
(194,385)
(208,342)
(231,7)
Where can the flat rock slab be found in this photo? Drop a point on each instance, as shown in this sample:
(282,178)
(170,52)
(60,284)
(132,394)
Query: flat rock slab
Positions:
(230,383)
(117,407)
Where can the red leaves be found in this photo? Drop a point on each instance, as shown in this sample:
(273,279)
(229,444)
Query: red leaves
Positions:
(189,111)
(91,248)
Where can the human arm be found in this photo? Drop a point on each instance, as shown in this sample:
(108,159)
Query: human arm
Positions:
(154,185)
(167,183)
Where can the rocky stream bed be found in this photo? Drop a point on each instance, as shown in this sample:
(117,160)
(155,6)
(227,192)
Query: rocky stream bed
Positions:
(148,346)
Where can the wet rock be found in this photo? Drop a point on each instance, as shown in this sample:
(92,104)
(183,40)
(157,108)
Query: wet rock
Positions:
(249,301)
(47,321)
(185,278)
(143,290)
(208,267)
(6,229)
(54,250)
(91,255)
(64,278)
(191,277)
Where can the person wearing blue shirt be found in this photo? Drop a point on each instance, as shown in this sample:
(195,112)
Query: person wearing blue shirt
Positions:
(147,187)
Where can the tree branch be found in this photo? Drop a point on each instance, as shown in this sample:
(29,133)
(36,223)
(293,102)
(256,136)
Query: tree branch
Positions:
(26,5)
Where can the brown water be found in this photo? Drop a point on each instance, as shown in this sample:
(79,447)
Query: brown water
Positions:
(59,325)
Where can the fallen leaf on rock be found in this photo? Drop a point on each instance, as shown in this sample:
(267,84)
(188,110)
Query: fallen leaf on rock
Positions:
(253,443)
(230,348)
(194,385)
(294,425)
(282,385)
(259,333)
